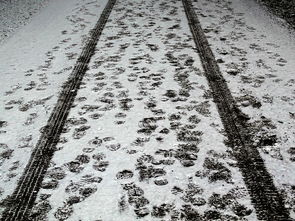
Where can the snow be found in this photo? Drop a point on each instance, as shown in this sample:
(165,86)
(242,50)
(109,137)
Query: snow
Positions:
(14,14)
(126,151)
(127,83)
(261,48)
(34,64)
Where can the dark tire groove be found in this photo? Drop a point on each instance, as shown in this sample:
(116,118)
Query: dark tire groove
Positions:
(24,196)
(265,197)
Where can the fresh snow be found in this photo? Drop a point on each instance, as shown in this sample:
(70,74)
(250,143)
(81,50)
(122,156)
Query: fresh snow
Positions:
(17,13)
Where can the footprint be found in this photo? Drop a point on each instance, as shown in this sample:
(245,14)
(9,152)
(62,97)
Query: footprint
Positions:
(124,174)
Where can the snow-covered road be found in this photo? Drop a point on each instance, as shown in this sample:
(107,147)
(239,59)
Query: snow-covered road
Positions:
(144,139)
(257,54)
(34,64)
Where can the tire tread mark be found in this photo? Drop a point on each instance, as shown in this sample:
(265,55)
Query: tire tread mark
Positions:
(267,201)
(24,196)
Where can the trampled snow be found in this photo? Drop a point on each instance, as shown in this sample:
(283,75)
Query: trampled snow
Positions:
(144,139)
(34,64)
(138,143)
(257,52)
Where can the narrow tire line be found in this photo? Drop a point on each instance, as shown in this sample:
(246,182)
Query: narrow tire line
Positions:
(265,197)
(23,198)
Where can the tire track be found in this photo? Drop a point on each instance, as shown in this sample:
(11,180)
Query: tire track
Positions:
(25,193)
(268,202)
